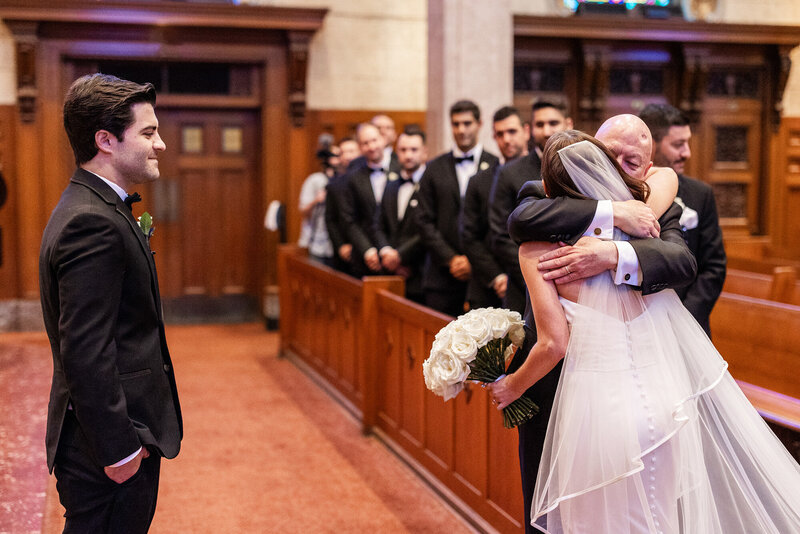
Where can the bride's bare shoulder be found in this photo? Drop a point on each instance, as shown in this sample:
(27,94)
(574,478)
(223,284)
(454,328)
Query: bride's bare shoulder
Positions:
(534,249)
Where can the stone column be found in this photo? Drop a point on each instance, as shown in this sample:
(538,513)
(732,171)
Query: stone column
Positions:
(470,55)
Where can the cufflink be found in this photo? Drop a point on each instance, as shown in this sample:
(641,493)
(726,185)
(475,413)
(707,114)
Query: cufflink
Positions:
(597,231)
(627,277)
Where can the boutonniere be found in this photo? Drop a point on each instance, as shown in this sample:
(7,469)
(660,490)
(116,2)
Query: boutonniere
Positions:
(393,176)
(484,165)
(413,203)
(146,225)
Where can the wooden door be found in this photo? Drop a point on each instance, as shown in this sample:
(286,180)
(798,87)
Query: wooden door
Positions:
(207,214)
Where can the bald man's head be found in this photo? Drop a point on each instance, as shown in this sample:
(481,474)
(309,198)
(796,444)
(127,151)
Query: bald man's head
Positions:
(628,137)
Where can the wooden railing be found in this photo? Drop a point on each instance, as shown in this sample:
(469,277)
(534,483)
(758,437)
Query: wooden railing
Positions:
(367,345)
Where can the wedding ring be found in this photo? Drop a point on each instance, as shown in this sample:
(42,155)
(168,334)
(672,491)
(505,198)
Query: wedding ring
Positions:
(567,268)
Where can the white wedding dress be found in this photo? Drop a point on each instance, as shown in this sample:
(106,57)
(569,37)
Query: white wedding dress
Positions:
(649,433)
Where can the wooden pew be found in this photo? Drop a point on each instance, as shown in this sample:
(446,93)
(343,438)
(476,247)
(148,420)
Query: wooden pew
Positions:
(760,340)
(365,345)
(779,285)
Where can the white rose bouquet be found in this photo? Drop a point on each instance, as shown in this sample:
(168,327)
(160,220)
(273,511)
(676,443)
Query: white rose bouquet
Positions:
(475,347)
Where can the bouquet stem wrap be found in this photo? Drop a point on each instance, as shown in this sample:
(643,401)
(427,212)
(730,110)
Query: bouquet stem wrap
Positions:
(489,365)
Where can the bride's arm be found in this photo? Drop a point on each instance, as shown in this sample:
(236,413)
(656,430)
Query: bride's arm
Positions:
(551,329)
(663,184)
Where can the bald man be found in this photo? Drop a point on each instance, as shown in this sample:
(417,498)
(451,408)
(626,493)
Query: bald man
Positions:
(645,263)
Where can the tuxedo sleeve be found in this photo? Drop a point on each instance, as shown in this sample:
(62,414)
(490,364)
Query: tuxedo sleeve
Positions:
(433,240)
(711,262)
(332,218)
(474,227)
(665,262)
(89,263)
(502,201)
(544,219)
(356,235)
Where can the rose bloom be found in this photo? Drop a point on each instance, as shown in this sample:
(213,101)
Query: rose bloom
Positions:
(463,346)
(476,325)
(444,374)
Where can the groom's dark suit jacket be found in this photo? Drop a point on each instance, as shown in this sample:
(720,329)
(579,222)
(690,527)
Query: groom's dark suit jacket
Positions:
(440,208)
(102,312)
(665,262)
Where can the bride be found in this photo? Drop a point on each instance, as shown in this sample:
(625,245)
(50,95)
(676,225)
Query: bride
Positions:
(648,433)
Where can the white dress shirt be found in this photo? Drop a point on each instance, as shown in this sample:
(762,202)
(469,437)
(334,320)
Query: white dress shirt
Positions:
(467,169)
(628,270)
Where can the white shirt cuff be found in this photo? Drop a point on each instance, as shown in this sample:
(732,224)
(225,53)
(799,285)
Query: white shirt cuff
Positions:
(628,270)
(128,459)
(602,226)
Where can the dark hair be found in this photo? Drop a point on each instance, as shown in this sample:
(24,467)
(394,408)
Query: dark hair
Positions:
(506,112)
(464,106)
(101,102)
(559,105)
(660,118)
(346,139)
(558,181)
(414,129)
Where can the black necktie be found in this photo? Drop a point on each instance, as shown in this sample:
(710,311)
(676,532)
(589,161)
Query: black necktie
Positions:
(462,159)
(130,199)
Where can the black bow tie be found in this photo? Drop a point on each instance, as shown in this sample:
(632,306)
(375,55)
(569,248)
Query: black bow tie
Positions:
(130,199)
(462,159)
(408,180)
(376,169)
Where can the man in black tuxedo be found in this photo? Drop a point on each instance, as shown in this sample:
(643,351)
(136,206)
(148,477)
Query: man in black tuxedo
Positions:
(365,188)
(488,284)
(397,236)
(648,264)
(700,221)
(336,192)
(441,192)
(548,117)
(114,407)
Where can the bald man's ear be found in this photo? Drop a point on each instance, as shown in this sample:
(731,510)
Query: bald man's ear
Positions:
(649,166)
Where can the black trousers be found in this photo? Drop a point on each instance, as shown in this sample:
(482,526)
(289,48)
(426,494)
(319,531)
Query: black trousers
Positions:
(531,443)
(93,502)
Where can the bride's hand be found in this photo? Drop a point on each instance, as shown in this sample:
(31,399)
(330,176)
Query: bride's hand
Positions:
(503,392)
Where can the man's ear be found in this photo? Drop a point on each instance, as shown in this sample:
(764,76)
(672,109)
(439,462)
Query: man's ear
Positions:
(105,141)
(568,123)
(649,166)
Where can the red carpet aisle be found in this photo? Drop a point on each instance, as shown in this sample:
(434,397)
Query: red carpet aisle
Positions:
(25,373)
(266,451)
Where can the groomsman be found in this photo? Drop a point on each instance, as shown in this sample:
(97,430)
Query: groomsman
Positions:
(397,235)
(548,117)
(385,126)
(700,221)
(441,192)
(365,187)
(487,287)
(335,197)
